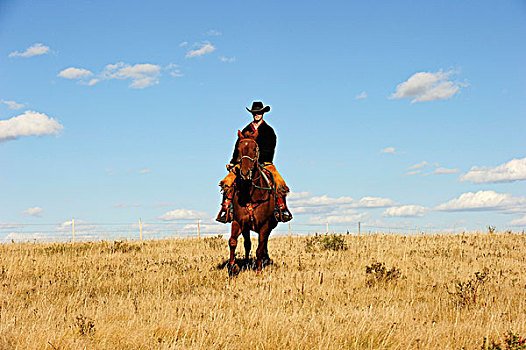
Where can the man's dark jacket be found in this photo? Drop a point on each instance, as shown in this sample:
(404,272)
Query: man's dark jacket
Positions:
(266,141)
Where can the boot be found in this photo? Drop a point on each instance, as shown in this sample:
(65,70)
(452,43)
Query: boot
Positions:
(226,214)
(282,213)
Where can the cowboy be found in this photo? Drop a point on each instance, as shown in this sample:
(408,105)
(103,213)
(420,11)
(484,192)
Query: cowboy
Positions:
(266,141)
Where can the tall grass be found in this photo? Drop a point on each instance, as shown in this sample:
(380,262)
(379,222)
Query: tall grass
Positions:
(380,292)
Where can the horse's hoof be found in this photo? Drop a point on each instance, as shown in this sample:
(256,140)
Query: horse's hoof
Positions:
(233,270)
(268,262)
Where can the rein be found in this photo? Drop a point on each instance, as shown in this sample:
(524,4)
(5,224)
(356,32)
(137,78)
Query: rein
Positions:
(269,188)
(250,207)
(258,166)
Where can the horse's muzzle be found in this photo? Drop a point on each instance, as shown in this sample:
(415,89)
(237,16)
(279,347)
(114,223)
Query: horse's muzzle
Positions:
(247,176)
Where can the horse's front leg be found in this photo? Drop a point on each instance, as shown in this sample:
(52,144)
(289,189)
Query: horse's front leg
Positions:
(247,243)
(262,252)
(233,268)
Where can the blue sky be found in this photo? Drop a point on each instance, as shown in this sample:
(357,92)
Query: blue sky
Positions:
(394,114)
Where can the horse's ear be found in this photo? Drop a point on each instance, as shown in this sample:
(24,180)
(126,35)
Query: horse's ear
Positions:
(239,134)
(255,134)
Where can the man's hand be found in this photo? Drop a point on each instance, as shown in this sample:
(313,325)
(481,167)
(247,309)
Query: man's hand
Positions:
(229,166)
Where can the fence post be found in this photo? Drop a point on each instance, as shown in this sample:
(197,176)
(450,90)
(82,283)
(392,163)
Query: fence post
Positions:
(359,228)
(327,226)
(73,228)
(198,229)
(140,227)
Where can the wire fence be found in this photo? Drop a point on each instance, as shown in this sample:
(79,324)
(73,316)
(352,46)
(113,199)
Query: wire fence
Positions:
(73,231)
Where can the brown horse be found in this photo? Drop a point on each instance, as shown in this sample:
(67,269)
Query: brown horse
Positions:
(254,202)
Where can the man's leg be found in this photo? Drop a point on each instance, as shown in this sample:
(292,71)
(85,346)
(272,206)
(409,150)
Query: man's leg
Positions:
(225,214)
(282,212)
(227,186)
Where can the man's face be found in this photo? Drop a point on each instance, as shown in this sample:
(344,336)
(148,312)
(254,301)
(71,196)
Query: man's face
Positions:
(257,117)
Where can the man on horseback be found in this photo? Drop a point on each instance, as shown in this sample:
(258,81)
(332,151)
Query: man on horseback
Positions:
(266,140)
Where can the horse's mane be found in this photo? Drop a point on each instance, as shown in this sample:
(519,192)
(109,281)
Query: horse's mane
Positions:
(248,134)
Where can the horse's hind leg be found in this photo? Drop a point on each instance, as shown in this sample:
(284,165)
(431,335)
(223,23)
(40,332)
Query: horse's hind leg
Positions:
(247,243)
(233,268)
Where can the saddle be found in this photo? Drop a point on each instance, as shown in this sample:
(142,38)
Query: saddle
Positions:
(228,184)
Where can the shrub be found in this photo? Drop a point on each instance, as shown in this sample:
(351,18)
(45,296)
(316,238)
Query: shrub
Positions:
(512,341)
(378,273)
(466,293)
(325,242)
(85,325)
(124,247)
(215,242)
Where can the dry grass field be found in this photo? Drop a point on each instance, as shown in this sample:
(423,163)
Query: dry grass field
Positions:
(344,292)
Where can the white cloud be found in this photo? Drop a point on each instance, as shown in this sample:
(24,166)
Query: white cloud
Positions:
(144,171)
(339,218)
(174,70)
(298,195)
(426,86)
(484,200)
(92,82)
(81,226)
(35,50)
(10,225)
(75,73)
(65,225)
(415,172)
(182,214)
(163,204)
(321,201)
(310,210)
(418,165)
(184,43)
(373,202)
(514,170)
(441,171)
(303,203)
(35,211)
(29,123)
(205,228)
(388,150)
(203,49)
(518,222)
(23,237)
(12,104)
(141,75)
(405,210)
(124,205)
(227,59)
(361,96)
(213,32)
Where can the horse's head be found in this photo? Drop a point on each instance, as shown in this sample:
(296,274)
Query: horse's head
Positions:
(248,153)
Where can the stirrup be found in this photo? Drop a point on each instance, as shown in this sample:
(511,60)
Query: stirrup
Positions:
(282,215)
(225,215)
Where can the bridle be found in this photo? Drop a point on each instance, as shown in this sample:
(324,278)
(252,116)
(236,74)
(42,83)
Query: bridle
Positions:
(253,160)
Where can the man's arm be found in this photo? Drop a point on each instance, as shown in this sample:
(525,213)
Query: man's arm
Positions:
(233,161)
(267,145)
(235,155)
(273,141)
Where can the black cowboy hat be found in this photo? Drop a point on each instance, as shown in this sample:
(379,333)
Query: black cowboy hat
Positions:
(257,108)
